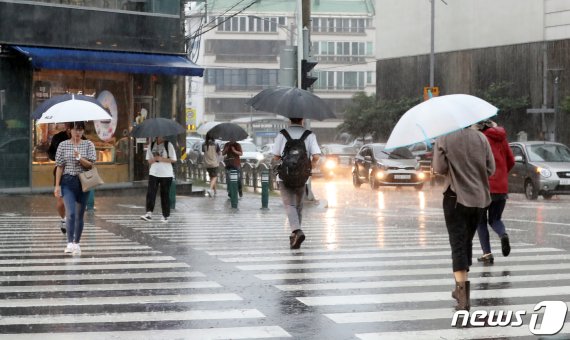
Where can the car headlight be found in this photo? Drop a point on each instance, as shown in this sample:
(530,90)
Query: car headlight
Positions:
(380,174)
(259,157)
(330,164)
(543,172)
(421,176)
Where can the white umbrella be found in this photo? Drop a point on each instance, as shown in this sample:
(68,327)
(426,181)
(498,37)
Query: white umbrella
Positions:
(205,127)
(70,108)
(439,116)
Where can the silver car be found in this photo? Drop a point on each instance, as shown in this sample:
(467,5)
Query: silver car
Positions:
(541,168)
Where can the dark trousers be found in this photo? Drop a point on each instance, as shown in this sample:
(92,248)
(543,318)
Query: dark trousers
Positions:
(461,222)
(495,212)
(153,183)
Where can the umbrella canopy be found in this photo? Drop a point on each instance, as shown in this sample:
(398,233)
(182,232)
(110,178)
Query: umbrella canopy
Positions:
(205,127)
(228,131)
(70,108)
(157,127)
(439,116)
(291,102)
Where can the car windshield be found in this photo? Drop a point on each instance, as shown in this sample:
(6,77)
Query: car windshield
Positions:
(340,150)
(379,152)
(401,153)
(548,153)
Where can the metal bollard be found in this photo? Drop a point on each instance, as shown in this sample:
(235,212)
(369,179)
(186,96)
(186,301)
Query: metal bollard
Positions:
(233,188)
(265,189)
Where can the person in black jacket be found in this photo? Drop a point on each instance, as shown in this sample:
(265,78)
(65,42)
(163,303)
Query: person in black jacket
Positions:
(56,139)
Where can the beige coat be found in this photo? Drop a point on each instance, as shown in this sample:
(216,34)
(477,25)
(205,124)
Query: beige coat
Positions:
(466,159)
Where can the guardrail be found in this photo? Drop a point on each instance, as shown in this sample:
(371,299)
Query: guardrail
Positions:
(250,174)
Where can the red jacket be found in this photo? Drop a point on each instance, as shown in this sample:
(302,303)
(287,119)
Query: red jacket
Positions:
(504,159)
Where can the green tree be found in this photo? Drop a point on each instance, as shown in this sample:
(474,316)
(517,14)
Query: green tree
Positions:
(512,109)
(368,117)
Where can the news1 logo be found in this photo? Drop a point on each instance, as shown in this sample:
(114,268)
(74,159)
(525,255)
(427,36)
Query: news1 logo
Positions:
(552,320)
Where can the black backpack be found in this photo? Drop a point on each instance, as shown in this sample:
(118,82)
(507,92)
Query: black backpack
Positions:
(295,168)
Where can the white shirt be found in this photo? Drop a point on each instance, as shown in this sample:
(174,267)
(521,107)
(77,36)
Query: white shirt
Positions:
(296,131)
(161,169)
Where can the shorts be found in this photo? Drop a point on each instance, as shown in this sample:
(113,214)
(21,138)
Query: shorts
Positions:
(212,172)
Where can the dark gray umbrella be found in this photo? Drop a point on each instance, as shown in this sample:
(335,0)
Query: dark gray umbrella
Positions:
(291,102)
(227,131)
(157,127)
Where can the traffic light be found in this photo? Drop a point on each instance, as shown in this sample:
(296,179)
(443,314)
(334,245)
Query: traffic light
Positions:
(306,79)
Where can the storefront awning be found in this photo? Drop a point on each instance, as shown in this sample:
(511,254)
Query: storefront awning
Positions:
(127,62)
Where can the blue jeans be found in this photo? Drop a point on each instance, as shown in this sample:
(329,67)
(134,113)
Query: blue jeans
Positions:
(495,212)
(75,201)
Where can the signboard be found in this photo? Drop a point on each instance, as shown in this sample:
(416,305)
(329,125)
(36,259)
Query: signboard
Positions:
(191,119)
(430,92)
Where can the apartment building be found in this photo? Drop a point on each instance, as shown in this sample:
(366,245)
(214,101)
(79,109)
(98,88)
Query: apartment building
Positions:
(242,48)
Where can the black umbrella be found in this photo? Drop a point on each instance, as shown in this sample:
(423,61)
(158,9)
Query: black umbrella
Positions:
(291,102)
(157,127)
(227,131)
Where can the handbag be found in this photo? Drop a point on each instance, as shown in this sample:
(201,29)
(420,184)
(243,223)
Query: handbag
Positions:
(90,179)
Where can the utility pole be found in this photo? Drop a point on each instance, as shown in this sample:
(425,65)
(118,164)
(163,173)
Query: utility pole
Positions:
(432,50)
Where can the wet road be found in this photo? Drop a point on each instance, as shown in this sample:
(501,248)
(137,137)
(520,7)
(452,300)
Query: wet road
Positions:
(375,265)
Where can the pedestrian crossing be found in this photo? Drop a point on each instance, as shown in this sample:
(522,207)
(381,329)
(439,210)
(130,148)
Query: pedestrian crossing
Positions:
(376,279)
(117,289)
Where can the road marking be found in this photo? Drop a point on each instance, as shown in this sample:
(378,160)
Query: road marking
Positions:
(119,300)
(77,260)
(164,334)
(331,300)
(88,277)
(361,256)
(462,333)
(74,267)
(205,314)
(110,287)
(410,272)
(392,263)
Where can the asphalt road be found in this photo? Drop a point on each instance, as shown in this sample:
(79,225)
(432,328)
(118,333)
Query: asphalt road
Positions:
(375,265)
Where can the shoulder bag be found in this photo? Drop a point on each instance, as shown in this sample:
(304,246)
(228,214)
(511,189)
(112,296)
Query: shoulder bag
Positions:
(90,179)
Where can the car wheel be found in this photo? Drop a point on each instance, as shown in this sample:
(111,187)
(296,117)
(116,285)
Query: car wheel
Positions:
(355,180)
(530,191)
(419,187)
(547,196)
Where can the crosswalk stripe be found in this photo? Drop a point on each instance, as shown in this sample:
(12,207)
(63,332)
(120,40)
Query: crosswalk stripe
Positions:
(120,300)
(84,252)
(95,267)
(410,272)
(87,277)
(418,283)
(360,256)
(259,332)
(109,287)
(84,247)
(429,296)
(392,263)
(463,333)
(89,260)
(203,314)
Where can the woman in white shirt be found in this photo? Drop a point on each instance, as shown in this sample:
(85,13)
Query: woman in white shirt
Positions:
(160,156)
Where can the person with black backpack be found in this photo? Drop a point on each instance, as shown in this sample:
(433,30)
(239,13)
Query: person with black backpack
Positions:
(297,150)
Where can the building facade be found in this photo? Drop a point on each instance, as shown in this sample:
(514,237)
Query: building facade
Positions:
(478,43)
(243,50)
(128,54)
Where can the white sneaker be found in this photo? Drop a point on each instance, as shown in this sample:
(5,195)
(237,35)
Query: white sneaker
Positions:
(147,216)
(164,219)
(69,248)
(76,249)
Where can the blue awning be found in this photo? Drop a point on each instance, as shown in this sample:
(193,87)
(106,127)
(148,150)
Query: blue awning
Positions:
(127,62)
